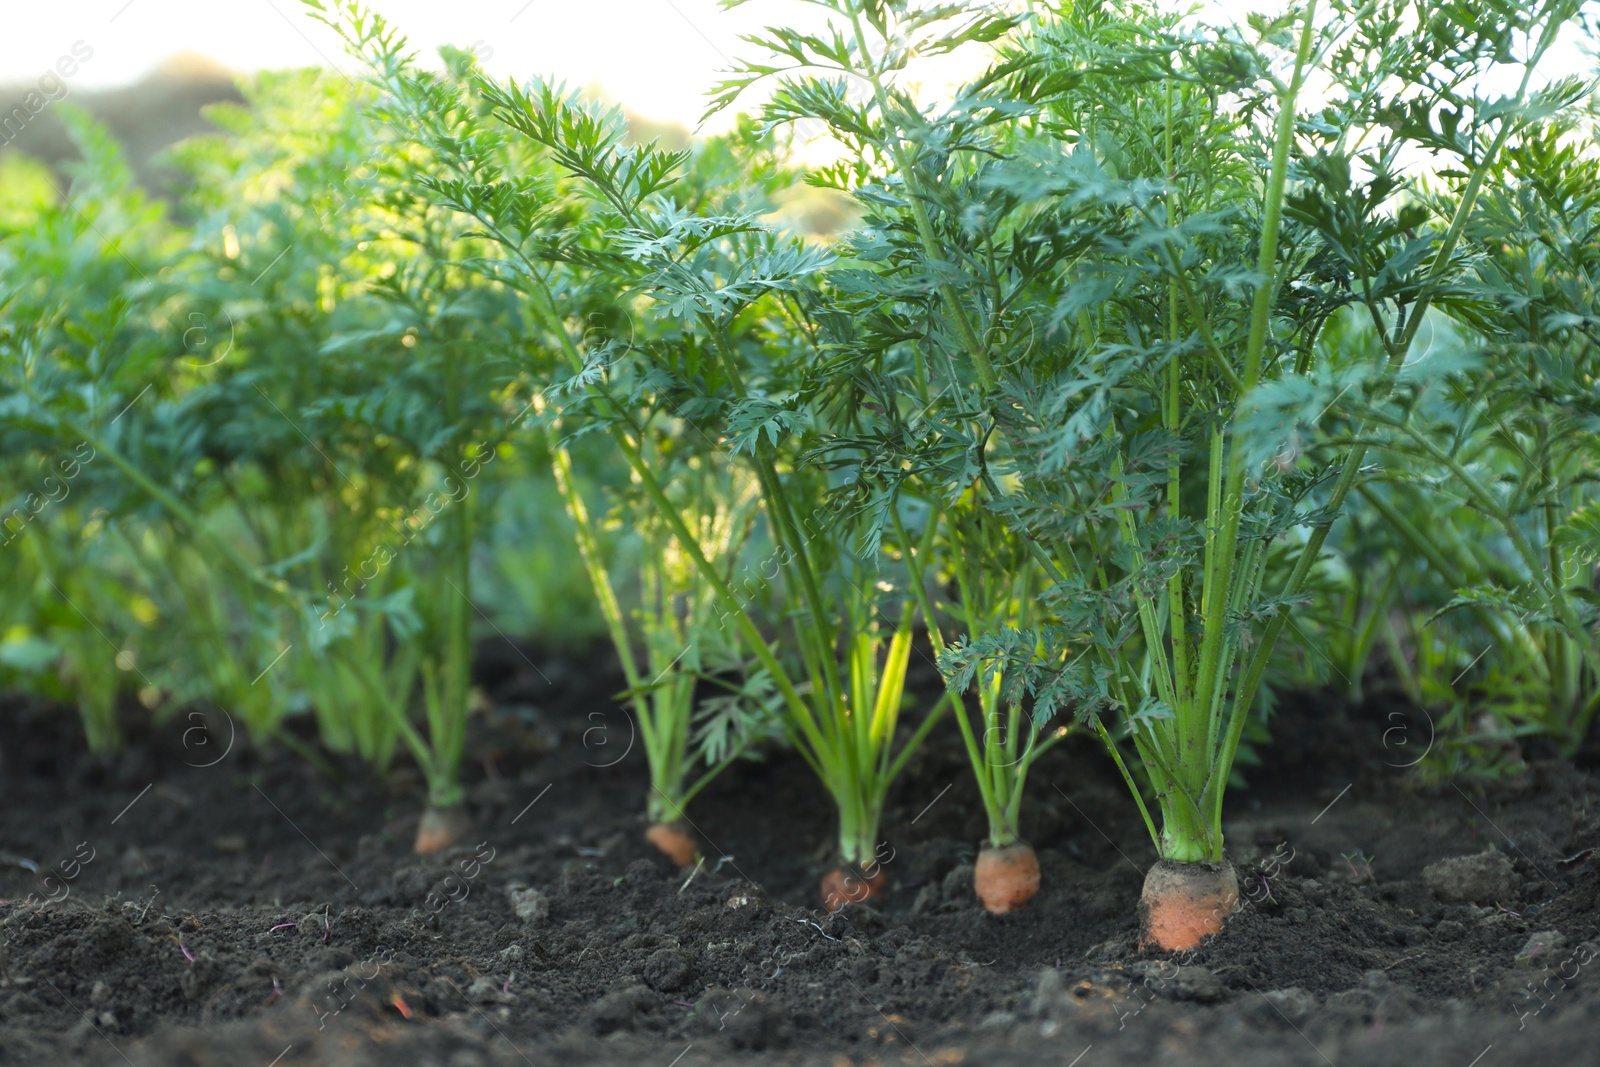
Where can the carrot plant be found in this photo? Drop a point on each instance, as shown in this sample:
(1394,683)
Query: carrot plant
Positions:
(76,355)
(306,489)
(1231,232)
(1507,417)
(1124,243)
(587,217)
(736,295)
(996,583)
(731,296)
(370,396)
(177,596)
(674,646)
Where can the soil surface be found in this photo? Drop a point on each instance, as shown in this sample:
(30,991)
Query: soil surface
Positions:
(198,901)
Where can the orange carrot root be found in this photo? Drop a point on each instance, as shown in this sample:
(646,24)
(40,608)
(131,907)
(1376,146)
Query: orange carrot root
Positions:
(673,841)
(847,884)
(441,828)
(1184,903)
(1006,878)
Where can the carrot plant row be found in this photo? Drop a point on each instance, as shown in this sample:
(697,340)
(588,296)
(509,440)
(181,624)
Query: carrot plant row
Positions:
(1165,369)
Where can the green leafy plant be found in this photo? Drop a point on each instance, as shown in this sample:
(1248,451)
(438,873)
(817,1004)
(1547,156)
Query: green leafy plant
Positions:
(1507,415)
(1252,353)
(996,582)
(678,647)
(71,368)
(1176,234)
(1123,328)
(727,350)
(369,406)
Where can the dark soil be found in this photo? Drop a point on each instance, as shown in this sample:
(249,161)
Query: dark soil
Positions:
(196,903)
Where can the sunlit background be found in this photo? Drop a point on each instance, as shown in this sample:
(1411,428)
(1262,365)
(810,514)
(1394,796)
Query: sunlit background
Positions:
(657,57)
(148,68)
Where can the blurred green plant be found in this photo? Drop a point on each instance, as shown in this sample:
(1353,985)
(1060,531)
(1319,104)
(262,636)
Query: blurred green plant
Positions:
(1508,415)
(678,648)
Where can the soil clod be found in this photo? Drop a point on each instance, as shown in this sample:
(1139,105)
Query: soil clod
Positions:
(1485,878)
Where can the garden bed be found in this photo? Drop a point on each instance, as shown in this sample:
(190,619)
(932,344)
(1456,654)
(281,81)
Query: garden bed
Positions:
(212,910)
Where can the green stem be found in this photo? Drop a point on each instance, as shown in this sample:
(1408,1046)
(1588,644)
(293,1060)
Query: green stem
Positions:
(1223,557)
(1133,787)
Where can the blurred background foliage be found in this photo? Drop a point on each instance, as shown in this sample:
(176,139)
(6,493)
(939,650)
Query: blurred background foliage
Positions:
(290,401)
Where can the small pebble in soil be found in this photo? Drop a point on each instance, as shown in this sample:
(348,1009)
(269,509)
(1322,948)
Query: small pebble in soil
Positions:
(1191,982)
(1048,993)
(1293,1004)
(530,905)
(1485,878)
(746,903)
(1542,949)
(485,991)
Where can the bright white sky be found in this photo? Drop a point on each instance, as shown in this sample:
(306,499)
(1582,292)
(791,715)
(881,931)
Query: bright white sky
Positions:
(656,56)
